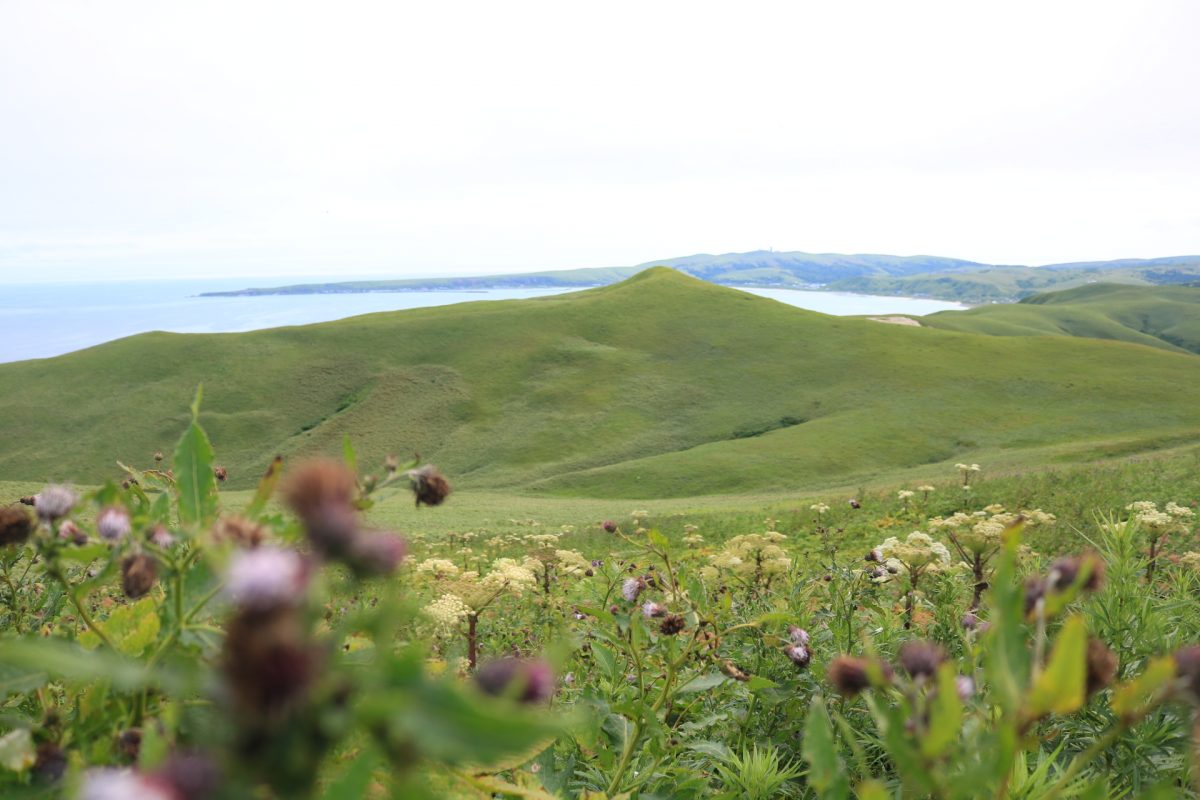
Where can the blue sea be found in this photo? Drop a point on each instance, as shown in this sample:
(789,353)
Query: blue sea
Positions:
(43,320)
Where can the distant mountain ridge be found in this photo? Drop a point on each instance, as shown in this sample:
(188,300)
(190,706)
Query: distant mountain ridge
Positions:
(906,276)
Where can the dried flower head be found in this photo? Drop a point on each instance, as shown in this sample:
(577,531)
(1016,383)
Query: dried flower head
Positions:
(15,525)
(322,494)
(55,501)
(112,523)
(221,474)
(525,681)
(138,574)
(672,624)
(268,660)
(429,485)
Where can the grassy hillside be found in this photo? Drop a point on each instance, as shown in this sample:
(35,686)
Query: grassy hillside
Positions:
(1009,284)
(1164,317)
(659,386)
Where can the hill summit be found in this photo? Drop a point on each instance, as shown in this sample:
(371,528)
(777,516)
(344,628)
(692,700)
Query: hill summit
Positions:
(661,385)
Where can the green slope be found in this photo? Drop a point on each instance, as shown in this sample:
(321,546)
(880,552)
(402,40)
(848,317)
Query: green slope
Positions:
(658,386)
(1167,317)
(1010,284)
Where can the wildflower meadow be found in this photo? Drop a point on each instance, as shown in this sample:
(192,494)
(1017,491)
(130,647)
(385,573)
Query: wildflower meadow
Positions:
(165,640)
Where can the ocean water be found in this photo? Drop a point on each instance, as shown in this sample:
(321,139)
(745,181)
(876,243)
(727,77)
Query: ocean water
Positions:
(43,320)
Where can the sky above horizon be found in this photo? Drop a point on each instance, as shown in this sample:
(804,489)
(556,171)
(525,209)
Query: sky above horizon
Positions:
(149,139)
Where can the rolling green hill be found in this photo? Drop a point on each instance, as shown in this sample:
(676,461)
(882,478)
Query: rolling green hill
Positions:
(1010,284)
(658,386)
(1167,317)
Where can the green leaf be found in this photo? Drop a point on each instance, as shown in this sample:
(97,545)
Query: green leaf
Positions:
(759,683)
(872,790)
(945,714)
(14,680)
(17,752)
(85,554)
(1133,698)
(349,455)
(702,683)
(1060,689)
(266,488)
(131,628)
(826,773)
(195,482)
(354,780)
(657,539)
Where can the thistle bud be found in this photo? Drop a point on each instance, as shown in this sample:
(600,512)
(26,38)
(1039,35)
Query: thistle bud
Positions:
(650,610)
(239,531)
(71,532)
(850,675)
(221,474)
(51,762)
(189,776)
(1065,571)
(375,553)
(798,636)
(322,494)
(798,654)
(632,588)
(875,556)
(112,523)
(1101,666)
(672,624)
(54,502)
(429,485)
(854,504)
(391,464)
(267,659)
(158,455)
(15,525)
(138,573)
(1187,667)
(266,578)
(609,526)
(526,681)
(921,659)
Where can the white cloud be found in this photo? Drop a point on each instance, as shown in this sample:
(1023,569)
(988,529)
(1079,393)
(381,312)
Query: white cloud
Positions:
(284,138)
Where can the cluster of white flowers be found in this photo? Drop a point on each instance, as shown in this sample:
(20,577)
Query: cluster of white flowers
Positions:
(752,554)
(926,488)
(904,494)
(967,467)
(439,567)
(446,612)
(820,508)
(639,516)
(510,575)
(982,531)
(571,562)
(693,540)
(543,540)
(918,550)
(1148,516)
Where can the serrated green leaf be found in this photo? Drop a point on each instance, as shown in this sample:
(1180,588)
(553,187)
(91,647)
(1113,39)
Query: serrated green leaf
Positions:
(131,628)
(266,487)
(195,482)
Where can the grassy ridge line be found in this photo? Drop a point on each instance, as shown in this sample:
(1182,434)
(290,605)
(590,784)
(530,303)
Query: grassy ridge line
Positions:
(1163,317)
(596,276)
(661,386)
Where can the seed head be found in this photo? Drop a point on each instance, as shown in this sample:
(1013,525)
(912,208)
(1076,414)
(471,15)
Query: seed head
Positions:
(1101,666)
(112,523)
(15,525)
(221,474)
(55,501)
(429,485)
(921,658)
(138,573)
(672,624)
(526,681)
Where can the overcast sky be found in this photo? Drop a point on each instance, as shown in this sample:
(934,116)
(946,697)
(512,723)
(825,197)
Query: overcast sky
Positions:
(227,138)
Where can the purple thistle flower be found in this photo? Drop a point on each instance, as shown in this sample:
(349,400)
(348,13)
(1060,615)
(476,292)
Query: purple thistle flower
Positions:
(55,501)
(266,578)
(632,589)
(113,523)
